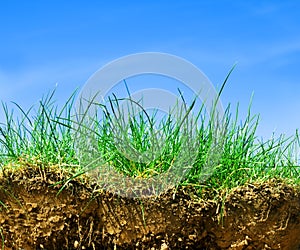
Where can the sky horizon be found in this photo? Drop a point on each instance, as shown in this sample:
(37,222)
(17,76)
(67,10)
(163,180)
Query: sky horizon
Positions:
(45,44)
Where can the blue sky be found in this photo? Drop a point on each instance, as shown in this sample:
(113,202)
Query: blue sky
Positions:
(47,42)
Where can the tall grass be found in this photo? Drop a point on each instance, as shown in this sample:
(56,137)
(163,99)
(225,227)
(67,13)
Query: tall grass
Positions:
(45,135)
(38,135)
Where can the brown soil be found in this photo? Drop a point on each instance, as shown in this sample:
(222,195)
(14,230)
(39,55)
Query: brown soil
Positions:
(34,216)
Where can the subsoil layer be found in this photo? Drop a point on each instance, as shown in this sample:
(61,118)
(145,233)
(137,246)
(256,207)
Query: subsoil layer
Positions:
(34,216)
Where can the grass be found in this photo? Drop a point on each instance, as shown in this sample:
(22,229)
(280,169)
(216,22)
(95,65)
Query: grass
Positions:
(36,135)
(46,135)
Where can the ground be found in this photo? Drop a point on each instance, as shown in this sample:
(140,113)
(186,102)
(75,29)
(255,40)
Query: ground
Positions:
(33,215)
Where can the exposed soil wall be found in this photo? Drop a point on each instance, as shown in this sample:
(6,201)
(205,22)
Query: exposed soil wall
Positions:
(34,216)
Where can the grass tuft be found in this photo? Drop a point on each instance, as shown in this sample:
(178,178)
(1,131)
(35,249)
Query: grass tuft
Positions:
(45,135)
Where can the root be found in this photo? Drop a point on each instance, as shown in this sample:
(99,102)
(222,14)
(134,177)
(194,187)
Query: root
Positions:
(286,222)
(267,215)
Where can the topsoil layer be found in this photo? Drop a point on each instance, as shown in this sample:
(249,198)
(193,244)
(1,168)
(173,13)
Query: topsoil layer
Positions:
(34,216)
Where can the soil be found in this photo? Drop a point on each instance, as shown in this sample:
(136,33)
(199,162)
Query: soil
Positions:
(33,215)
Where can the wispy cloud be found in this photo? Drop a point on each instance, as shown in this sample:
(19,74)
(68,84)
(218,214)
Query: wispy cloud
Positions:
(265,8)
(27,86)
(29,81)
(268,53)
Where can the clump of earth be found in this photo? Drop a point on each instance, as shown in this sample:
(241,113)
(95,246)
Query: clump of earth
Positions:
(35,215)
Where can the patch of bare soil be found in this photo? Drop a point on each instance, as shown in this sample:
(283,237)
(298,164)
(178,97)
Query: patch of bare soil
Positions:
(34,216)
